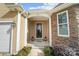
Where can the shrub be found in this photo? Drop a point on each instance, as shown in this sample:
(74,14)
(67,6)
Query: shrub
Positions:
(62,50)
(48,51)
(59,50)
(24,51)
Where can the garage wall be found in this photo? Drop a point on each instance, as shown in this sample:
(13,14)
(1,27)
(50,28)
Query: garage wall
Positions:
(7,15)
(11,16)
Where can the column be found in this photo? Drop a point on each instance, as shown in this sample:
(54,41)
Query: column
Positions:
(26,31)
(50,32)
(18,32)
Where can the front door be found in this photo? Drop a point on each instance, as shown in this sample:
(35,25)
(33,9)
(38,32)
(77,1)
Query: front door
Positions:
(39,30)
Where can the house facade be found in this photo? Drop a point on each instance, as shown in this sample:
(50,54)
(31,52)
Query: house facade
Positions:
(56,26)
(59,25)
(12,28)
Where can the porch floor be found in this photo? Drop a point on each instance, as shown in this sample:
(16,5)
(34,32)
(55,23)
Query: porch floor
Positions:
(39,44)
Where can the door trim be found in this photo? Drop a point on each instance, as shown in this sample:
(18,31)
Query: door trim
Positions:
(36,31)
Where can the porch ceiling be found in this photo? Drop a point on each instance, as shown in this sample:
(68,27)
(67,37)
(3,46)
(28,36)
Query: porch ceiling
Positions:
(38,18)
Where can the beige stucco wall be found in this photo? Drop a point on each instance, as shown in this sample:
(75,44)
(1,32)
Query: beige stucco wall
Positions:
(31,29)
(12,16)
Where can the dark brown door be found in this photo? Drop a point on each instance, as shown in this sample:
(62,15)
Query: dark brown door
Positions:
(39,30)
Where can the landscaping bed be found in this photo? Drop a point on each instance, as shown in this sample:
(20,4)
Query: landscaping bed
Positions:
(24,51)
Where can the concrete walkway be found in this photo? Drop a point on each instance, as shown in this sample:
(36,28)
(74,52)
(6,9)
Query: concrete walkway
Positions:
(35,51)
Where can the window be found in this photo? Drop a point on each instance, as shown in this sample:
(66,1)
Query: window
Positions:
(63,24)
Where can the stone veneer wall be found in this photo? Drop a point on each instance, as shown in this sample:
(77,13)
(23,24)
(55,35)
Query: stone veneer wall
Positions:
(72,40)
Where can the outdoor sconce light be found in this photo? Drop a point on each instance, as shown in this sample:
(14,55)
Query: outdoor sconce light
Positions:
(13,24)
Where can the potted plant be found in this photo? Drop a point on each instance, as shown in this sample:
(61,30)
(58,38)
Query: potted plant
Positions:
(45,38)
(32,38)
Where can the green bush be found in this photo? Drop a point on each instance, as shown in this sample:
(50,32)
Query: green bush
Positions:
(59,50)
(24,51)
(48,51)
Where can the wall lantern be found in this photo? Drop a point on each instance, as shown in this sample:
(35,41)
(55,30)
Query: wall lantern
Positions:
(13,24)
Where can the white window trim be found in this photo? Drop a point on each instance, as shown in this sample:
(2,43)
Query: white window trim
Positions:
(11,40)
(63,23)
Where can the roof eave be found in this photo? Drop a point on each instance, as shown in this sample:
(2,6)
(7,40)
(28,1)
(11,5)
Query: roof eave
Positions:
(14,7)
(58,8)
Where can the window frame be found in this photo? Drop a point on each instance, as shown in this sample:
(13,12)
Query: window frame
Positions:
(63,23)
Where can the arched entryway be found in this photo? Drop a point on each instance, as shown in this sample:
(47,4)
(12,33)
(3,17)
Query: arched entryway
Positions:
(39,30)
